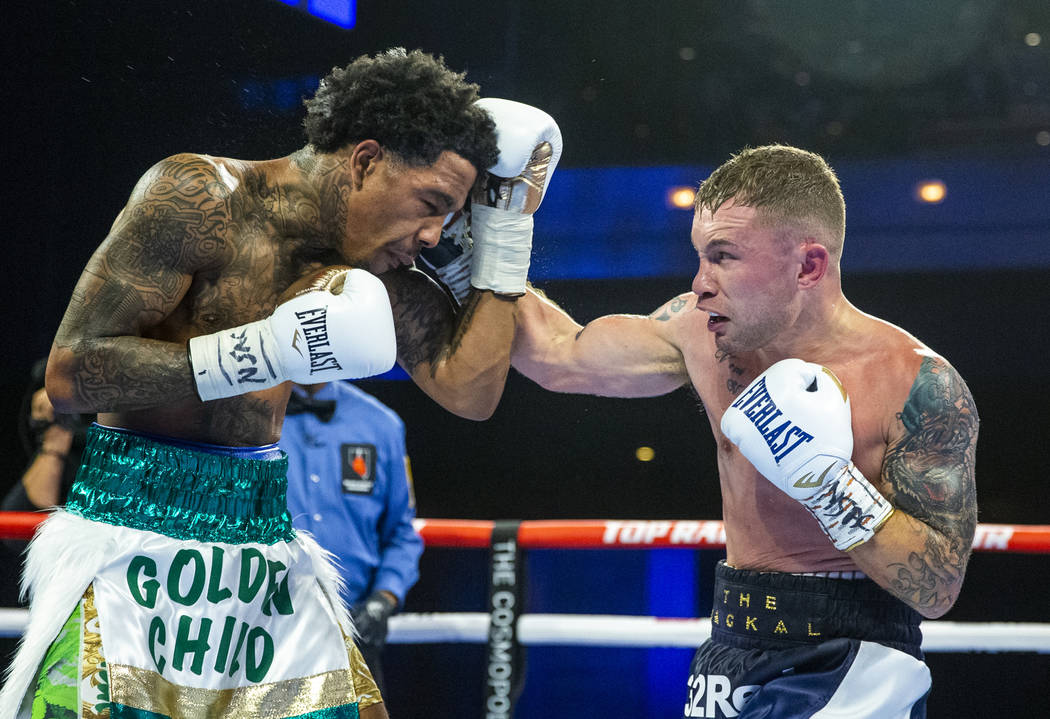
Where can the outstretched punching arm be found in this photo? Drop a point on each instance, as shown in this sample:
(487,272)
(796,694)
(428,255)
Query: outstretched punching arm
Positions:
(613,356)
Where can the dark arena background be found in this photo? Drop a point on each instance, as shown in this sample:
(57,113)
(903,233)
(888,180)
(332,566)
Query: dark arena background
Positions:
(949,94)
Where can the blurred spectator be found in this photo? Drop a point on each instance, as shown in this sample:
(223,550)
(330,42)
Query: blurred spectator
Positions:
(53,443)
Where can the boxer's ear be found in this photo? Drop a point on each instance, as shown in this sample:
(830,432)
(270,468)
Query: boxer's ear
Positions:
(364,159)
(815,259)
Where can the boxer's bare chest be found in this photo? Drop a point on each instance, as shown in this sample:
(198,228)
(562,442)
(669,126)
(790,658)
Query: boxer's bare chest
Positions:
(258,261)
(764,527)
(263,253)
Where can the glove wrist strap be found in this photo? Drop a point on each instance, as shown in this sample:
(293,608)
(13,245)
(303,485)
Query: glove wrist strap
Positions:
(850,510)
(234,361)
(502,249)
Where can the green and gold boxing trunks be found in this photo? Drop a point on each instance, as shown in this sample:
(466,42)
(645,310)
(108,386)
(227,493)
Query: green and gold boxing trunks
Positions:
(173,585)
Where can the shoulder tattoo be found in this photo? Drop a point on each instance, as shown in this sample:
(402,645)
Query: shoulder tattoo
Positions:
(665,313)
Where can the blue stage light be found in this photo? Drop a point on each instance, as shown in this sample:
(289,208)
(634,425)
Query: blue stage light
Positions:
(338,12)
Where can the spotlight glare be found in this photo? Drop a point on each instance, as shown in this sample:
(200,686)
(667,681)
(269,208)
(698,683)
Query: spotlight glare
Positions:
(682,197)
(644,454)
(931,192)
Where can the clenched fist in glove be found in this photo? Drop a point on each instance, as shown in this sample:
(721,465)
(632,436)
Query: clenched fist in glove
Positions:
(793,424)
(494,239)
(334,324)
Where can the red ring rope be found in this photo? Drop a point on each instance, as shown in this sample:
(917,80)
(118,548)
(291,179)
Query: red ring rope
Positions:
(611,533)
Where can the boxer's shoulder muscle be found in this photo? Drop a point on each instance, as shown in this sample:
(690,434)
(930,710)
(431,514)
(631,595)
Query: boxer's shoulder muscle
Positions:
(654,346)
(137,276)
(176,220)
(878,366)
(924,462)
(679,323)
(929,463)
(231,228)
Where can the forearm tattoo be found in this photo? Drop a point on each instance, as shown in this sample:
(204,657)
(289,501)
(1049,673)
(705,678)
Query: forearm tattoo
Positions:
(113,375)
(97,306)
(465,317)
(174,224)
(424,321)
(931,470)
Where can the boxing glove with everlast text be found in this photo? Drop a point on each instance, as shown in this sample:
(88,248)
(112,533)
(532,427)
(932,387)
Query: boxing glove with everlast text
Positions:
(333,324)
(793,424)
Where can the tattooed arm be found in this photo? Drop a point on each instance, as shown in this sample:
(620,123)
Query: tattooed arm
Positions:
(103,358)
(920,554)
(613,356)
(459,359)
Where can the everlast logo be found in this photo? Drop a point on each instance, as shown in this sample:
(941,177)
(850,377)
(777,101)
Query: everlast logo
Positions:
(315,330)
(757,406)
(808,481)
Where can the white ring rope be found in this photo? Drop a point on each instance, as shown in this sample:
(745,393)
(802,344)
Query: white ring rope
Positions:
(622,630)
(614,630)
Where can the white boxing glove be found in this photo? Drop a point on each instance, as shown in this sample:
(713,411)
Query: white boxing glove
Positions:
(793,424)
(501,214)
(339,325)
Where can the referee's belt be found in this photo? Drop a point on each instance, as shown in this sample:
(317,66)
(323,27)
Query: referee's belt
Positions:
(770,609)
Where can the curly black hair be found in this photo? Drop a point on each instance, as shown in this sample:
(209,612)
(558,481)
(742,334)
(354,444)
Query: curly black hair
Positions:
(409,102)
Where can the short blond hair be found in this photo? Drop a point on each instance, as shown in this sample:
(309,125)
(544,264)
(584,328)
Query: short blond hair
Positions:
(787,185)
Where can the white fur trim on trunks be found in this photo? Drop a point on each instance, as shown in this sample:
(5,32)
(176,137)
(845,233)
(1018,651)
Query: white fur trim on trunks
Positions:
(61,561)
(66,555)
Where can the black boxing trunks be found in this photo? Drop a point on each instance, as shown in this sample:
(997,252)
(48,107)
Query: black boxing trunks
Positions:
(800,646)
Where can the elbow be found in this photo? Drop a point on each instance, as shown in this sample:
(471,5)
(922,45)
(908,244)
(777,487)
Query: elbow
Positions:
(476,415)
(481,410)
(477,409)
(59,384)
(563,384)
(939,609)
(470,393)
(465,402)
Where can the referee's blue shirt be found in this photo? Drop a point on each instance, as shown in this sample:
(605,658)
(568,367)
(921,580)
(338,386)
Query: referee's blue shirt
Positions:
(356,501)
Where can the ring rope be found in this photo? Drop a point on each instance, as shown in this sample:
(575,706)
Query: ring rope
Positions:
(682,533)
(610,533)
(619,630)
(608,630)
